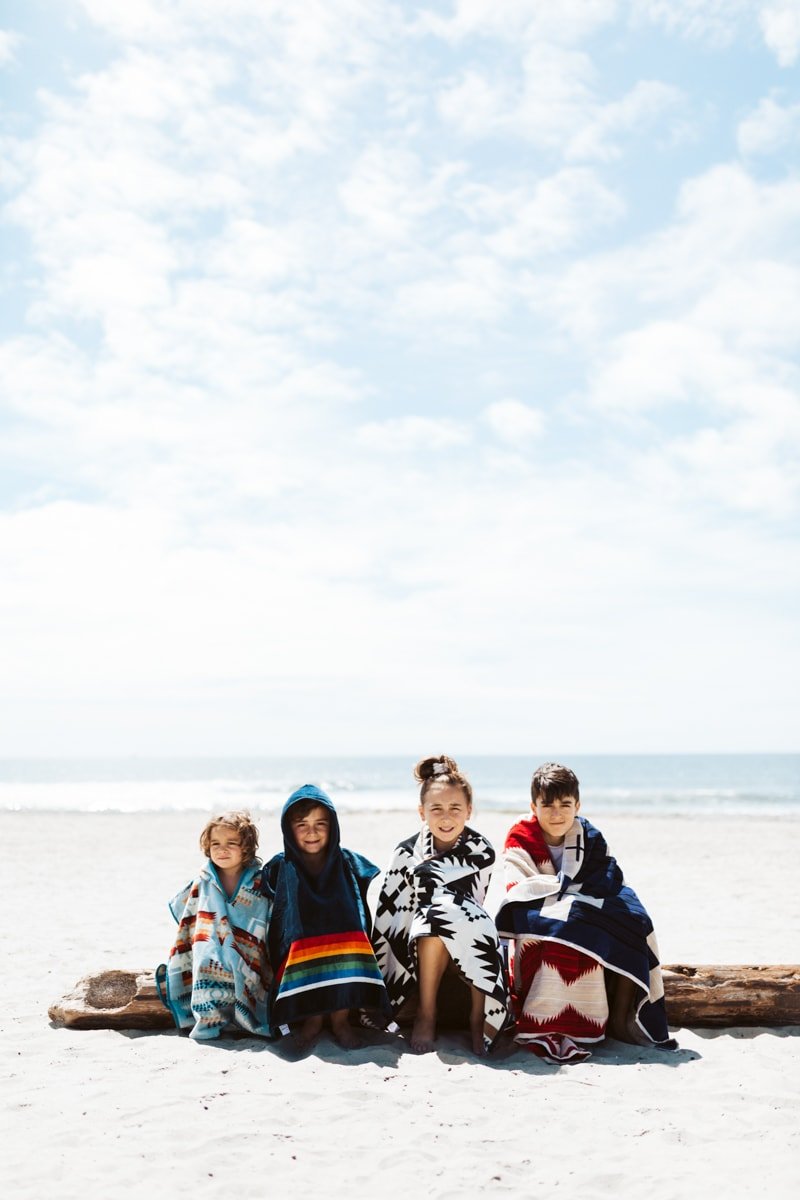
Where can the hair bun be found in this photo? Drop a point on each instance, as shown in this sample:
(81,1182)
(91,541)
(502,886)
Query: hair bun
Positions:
(439,765)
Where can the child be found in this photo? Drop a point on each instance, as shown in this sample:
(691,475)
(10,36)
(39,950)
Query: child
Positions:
(319,930)
(571,915)
(218,971)
(429,919)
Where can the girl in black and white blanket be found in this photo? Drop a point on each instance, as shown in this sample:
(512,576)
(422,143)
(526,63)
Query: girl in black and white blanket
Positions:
(430,921)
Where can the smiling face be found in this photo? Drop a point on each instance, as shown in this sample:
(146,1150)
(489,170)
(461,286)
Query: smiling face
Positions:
(312,831)
(446,810)
(555,817)
(225,848)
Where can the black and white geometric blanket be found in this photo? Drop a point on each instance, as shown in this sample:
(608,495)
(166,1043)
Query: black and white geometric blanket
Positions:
(426,894)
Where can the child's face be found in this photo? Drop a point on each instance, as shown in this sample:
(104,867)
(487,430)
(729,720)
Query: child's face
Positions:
(555,817)
(447,810)
(312,832)
(225,848)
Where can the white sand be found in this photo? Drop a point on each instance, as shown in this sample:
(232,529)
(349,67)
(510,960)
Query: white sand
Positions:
(107,1115)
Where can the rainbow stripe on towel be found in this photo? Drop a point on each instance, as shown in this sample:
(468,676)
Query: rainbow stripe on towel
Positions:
(332,960)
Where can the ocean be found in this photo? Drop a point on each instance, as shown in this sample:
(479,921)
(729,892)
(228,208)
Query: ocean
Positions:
(663,784)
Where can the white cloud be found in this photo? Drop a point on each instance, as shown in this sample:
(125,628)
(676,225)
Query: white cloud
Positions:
(464,291)
(644,104)
(569,21)
(738,466)
(715,21)
(389,192)
(403,434)
(145,20)
(691,338)
(780,24)
(9,41)
(770,128)
(267,430)
(720,22)
(549,98)
(549,216)
(546,106)
(726,223)
(514,422)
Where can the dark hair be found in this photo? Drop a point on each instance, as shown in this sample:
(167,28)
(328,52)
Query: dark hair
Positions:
(300,810)
(551,782)
(241,821)
(441,769)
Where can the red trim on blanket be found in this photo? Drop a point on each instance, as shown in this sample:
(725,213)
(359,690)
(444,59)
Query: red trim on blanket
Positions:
(527,835)
(571,965)
(568,1022)
(557,1049)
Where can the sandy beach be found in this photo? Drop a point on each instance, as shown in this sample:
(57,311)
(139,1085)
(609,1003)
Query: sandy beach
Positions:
(106,1115)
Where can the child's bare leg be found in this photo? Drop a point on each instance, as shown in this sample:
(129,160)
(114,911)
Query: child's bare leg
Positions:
(342,1030)
(432,960)
(476,1019)
(621,1024)
(308,1032)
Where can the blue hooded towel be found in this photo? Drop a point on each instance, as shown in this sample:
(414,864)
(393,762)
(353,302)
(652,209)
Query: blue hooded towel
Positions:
(318,935)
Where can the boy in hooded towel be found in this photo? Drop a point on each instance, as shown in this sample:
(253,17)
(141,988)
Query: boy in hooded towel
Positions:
(319,930)
(582,937)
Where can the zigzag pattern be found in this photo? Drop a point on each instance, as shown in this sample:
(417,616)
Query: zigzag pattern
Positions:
(559,990)
(426,894)
(568,963)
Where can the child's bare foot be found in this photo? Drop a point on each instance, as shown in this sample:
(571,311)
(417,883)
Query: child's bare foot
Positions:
(478,1044)
(626,1030)
(308,1032)
(423,1034)
(343,1032)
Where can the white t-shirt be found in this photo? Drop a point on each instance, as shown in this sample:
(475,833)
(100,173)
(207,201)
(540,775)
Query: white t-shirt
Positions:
(557,855)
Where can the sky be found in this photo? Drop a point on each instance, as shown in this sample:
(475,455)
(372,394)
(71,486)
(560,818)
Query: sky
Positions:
(387,377)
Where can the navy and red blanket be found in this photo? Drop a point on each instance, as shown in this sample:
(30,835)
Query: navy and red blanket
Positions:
(586,906)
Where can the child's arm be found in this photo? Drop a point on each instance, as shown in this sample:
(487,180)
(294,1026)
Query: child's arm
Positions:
(269,877)
(362,872)
(527,867)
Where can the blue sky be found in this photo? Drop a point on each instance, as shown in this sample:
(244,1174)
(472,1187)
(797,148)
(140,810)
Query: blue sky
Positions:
(384,377)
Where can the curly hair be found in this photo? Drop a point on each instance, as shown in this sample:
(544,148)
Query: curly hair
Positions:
(440,769)
(239,820)
(551,782)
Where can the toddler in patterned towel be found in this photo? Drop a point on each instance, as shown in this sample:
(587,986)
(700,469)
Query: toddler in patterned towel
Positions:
(218,972)
(430,923)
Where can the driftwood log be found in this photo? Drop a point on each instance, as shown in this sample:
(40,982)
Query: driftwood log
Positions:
(718,996)
(704,997)
(113,1000)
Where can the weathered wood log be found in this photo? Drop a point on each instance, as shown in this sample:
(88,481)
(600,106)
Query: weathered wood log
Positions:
(702,996)
(733,994)
(112,1000)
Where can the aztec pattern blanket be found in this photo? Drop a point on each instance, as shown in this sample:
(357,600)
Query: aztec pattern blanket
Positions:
(567,927)
(426,894)
(218,974)
(319,929)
